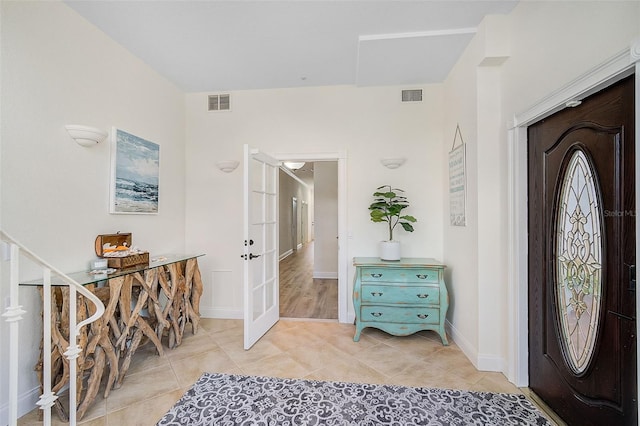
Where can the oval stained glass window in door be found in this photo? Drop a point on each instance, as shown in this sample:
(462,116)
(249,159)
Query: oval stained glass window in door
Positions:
(578,262)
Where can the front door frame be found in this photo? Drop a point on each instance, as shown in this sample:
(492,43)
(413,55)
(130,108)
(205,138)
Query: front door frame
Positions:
(618,67)
(344,297)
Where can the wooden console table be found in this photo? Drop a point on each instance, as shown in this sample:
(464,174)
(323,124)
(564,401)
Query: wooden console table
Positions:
(154,301)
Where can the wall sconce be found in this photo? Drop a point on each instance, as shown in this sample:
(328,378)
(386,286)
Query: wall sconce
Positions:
(227,166)
(392,163)
(85,135)
(294,165)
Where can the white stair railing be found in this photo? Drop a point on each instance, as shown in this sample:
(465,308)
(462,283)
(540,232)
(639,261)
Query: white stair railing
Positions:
(13,315)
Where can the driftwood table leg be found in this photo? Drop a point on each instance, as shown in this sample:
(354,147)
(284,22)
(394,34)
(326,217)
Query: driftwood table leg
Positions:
(94,382)
(125,310)
(186,290)
(195,279)
(150,284)
(134,315)
(150,333)
(176,308)
(106,345)
(137,320)
(169,292)
(101,329)
(135,342)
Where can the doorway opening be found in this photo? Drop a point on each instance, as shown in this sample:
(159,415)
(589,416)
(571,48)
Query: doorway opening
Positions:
(308,233)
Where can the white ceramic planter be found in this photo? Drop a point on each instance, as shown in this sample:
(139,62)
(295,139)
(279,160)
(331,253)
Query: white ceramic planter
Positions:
(390,250)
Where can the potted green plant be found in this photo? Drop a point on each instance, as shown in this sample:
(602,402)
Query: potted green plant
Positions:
(388,206)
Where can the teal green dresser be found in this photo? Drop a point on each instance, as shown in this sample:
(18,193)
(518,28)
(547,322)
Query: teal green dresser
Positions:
(400,297)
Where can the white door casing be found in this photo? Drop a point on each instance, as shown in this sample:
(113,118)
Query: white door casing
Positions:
(621,65)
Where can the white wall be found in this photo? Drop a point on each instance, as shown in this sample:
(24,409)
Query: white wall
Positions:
(366,123)
(325,260)
(290,188)
(58,69)
(512,63)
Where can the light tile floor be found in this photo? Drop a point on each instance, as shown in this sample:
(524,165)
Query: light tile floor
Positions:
(320,350)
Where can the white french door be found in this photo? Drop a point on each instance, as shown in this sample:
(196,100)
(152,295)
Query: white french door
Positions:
(261,286)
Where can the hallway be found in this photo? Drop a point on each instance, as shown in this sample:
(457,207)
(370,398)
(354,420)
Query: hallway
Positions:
(302,296)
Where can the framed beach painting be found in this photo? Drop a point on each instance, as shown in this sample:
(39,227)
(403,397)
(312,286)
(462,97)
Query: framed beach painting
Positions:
(135,172)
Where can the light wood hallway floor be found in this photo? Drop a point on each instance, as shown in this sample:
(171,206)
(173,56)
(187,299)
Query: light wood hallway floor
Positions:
(302,296)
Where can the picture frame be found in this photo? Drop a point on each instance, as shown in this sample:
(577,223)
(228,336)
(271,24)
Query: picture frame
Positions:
(135,174)
(457,182)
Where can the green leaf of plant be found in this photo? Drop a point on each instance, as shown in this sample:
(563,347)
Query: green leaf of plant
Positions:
(407,226)
(378,206)
(409,218)
(378,216)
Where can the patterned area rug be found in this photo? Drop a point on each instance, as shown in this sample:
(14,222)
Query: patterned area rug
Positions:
(221,399)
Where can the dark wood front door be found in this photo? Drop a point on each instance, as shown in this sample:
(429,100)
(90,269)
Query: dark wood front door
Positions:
(582,312)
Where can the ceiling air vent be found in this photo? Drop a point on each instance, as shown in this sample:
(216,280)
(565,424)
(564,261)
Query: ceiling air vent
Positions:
(219,102)
(414,95)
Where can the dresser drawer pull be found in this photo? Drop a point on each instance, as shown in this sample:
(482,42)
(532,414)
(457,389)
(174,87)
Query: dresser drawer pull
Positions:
(423,316)
(376,275)
(376,314)
(376,293)
(422,276)
(422,296)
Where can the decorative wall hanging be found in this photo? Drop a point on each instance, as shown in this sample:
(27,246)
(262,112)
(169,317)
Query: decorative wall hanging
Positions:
(135,171)
(457,182)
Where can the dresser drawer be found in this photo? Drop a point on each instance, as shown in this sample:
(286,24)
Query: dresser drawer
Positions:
(394,314)
(399,275)
(401,294)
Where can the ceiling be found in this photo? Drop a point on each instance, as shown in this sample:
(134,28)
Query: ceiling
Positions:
(236,45)
(305,173)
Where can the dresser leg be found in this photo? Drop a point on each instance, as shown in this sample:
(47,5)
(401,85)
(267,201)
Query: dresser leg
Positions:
(356,338)
(443,336)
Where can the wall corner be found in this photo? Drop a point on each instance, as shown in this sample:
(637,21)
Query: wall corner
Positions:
(495,42)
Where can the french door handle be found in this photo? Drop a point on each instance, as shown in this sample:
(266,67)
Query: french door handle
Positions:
(251,256)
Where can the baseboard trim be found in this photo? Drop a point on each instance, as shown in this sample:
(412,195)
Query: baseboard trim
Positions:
(325,275)
(221,313)
(482,362)
(286,254)
(491,363)
(26,402)
(467,348)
